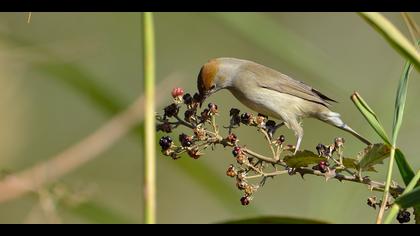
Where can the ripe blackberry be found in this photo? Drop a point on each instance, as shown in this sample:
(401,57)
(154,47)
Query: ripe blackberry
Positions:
(165,142)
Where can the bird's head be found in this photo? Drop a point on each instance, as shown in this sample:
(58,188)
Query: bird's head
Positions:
(210,79)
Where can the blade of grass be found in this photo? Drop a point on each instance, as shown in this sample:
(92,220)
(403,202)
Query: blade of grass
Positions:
(396,207)
(404,167)
(370,116)
(149,121)
(397,121)
(394,37)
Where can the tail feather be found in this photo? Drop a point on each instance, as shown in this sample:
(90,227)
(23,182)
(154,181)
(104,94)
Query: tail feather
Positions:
(333,118)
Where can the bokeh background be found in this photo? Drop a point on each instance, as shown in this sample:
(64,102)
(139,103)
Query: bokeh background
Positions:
(51,69)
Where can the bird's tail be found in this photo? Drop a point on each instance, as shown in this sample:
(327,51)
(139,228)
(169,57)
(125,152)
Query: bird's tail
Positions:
(333,118)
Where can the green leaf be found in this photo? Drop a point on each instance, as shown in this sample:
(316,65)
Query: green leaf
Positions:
(97,213)
(274,220)
(370,116)
(406,200)
(405,169)
(411,199)
(400,101)
(303,159)
(394,37)
(373,155)
(351,163)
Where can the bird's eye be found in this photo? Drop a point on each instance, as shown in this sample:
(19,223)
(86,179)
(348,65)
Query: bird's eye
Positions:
(213,87)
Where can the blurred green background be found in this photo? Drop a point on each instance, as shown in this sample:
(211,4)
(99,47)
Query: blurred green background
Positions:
(43,109)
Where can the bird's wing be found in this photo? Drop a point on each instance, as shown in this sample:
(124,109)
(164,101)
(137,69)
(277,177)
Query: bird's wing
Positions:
(270,79)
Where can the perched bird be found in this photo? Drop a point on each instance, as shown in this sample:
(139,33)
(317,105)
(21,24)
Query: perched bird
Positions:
(269,92)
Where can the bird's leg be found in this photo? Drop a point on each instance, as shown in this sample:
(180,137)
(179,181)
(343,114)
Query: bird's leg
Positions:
(299,140)
(273,131)
(297,128)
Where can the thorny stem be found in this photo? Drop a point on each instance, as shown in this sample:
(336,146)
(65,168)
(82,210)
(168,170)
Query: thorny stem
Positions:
(213,138)
(180,121)
(280,172)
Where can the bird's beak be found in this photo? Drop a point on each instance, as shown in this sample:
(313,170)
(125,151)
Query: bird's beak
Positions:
(203,97)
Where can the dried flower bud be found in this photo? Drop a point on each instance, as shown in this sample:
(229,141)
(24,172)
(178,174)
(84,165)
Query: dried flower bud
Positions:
(171,110)
(194,153)
(240,159)
(249,190)
(339,142)
(200,133)
(212,108)
(231,138)
(241,176)
(372,201)
(177,92)
(261,119)
(231,172)
(241,185)
(165,127)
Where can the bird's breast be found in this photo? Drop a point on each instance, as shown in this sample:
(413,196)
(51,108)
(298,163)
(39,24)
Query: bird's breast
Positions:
(273,104)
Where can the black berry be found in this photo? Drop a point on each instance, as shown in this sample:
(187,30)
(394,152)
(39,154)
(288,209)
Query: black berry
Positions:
(270,124)
(204,115)
(165,127)
(188,99)
(236,151)
(186,141)
(282,138)
(189,114)
(246,118)
(245,200)
(165,142)
(403,217)
(171,110)
(234,112)
(321,148)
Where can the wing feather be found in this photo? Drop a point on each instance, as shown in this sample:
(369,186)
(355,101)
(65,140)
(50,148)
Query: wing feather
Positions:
(282,83)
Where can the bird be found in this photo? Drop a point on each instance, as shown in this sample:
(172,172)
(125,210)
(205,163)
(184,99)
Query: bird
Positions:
(269,92)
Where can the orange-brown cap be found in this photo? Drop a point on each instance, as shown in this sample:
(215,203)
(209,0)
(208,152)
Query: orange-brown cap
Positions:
(206,77)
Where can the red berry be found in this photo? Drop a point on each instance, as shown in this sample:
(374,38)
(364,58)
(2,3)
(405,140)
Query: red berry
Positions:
(236,151)
(177,92)
(231,138)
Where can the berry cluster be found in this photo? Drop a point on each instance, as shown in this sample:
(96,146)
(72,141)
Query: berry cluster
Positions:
(251,169)
(403,216)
